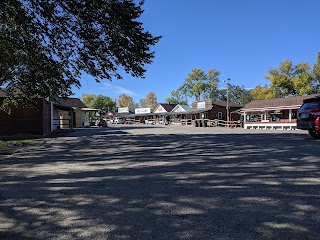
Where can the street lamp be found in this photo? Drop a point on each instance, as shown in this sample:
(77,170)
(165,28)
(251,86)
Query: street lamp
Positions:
(227,82)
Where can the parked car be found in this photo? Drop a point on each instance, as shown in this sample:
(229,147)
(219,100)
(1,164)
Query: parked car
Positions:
(309,116)
(118,120)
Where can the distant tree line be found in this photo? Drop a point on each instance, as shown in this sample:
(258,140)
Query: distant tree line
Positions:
(105,104)
(285,80)
(290,80)
(201,85)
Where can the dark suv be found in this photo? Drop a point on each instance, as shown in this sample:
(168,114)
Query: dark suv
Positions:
(309,116)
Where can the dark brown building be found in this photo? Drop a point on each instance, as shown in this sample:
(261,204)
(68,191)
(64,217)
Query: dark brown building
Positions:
(42,118)
(26,121)
(209,109)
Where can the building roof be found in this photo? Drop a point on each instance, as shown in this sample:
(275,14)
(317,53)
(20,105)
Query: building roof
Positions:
(289,102)
(224,104)
(166,106)
(71,102)
(182,108)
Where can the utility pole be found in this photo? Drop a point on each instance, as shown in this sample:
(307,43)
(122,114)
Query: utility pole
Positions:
(228,83)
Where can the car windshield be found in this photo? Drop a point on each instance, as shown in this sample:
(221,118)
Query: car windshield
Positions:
(309,105)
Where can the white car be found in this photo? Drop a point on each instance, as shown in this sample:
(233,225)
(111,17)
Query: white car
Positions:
(118,120)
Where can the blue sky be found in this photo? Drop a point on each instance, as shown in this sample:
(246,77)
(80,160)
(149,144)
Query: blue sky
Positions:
(240,38)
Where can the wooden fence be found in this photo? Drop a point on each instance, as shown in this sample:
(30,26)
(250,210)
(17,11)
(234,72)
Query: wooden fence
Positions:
(193,122)
(215,123)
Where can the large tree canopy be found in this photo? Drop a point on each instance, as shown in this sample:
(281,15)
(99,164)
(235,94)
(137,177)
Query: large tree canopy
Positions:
(290,80)
(199,83)
(126,101)
(46,45)
(177,97)
(150,101)
(103,103)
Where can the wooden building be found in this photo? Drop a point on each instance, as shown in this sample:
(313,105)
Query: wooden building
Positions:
(277,113)
(43,118)
(181,114)
(26,120)
(61,113)
(208,109)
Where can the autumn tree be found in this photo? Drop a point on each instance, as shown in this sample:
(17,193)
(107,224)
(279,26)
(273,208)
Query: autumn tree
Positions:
(126,101)
(263,93)
(45,46)
(316,75)
(294,80)
(150,101)
(302,80)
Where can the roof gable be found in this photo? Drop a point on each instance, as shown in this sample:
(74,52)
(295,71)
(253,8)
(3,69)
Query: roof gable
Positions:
(181,108)
(164,107)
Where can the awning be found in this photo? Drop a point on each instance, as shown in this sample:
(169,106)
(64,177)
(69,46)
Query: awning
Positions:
(61,107)
(90,109)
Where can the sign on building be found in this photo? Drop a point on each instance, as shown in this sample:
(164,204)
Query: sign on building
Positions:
(142,110)
(201,105)
(123,110)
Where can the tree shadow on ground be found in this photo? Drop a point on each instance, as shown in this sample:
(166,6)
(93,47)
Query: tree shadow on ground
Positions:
(227,186)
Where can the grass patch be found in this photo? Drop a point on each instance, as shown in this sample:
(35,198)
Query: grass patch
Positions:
(14,143)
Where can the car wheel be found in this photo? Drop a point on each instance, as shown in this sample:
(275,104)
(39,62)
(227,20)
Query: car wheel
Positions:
(315,134)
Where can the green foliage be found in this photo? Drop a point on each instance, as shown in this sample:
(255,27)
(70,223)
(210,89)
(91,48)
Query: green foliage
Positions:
(46,45)
(87,99)
(316,75)
(177,97)
(211,89)
(240,95)
(291,80)
(236,94)
(263,93)
(99,102)
(15,143)
(103,103)
(195,84)
(302,81)
(199,83)
(142,103)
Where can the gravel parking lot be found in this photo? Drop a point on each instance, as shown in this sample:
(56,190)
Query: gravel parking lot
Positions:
(154,182)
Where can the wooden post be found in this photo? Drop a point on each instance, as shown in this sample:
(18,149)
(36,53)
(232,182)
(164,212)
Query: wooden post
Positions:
(71,119)
(290,115)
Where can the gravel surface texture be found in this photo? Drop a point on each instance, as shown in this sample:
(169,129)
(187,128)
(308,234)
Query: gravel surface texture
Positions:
(155,182)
